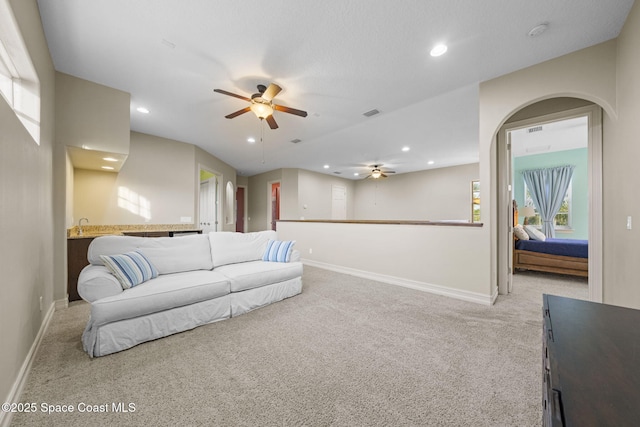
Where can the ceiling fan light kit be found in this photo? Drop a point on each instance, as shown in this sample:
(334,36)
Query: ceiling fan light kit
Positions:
(262,105)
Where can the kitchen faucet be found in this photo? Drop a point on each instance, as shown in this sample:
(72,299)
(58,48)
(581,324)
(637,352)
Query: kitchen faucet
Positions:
(80,225)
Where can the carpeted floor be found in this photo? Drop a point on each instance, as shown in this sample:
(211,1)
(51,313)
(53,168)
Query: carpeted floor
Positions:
(346,352)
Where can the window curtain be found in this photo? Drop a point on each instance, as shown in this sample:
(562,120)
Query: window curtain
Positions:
(548,188)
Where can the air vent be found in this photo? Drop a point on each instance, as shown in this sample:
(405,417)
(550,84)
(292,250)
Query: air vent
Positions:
(295,141)
(534,129)
(371,113)
(338,173)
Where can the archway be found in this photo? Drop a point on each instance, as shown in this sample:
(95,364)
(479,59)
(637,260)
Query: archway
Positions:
(546,111)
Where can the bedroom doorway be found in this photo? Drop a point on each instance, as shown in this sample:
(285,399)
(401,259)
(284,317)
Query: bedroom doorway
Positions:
(582,215)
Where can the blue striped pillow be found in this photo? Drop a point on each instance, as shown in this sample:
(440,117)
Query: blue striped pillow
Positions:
(278,251)
(130,269)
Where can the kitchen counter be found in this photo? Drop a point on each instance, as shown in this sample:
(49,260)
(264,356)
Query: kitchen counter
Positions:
(92,231)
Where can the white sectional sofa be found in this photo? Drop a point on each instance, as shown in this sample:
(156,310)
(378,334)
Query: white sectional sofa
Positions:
(200,279)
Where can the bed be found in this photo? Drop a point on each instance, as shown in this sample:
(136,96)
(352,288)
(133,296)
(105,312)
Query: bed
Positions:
(562,256)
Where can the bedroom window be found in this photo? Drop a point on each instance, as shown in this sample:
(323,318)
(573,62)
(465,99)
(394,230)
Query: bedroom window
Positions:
(19,83)
(562,220)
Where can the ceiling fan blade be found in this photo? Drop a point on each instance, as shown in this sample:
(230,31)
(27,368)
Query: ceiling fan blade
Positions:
(237,113)
(272,122)
(389,171)
(224,92)
(383,175)
(290,110)
(271,92)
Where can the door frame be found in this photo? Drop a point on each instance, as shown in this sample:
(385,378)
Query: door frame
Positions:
(220,179)
(594,166)
(269,216)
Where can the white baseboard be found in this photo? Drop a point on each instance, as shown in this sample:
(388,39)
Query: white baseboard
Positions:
(18,386)
(61,304)
(407,283)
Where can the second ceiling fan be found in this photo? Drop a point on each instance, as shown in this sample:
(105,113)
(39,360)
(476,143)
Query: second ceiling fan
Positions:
(262,105)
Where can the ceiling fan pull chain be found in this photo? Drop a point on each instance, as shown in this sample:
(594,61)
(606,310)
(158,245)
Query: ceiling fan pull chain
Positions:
(261,138)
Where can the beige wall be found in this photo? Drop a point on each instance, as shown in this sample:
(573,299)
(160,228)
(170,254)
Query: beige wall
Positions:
(26,213)
(155,185)
(258,200)
(436,194)
(605,74)
(91,115)
(438,259)
(315,195)
(621,150)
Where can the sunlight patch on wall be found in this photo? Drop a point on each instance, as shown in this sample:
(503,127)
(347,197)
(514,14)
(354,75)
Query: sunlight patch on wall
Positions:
(134,203)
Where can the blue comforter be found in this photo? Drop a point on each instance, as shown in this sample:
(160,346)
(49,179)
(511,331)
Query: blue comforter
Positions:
(566,247)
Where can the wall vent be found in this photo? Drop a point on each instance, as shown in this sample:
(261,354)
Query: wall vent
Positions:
(535,129)
(371,113)
(295,141)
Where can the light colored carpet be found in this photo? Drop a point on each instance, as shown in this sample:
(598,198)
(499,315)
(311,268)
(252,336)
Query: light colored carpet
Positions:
(346,352)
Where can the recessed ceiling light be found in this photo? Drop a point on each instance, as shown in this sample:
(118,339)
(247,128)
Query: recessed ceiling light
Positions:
(356,174)
(107,168)
(109,159)
(142,110)
(438,50)
(251,140)
(405,149)
(430,162)
(326,166)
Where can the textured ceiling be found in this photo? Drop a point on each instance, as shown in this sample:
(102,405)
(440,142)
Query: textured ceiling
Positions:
(335,59)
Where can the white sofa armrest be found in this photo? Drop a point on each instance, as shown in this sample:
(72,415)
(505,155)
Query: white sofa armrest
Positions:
(96,282)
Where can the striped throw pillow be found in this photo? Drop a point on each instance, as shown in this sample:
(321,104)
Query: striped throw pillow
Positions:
(278,251)
(130,269)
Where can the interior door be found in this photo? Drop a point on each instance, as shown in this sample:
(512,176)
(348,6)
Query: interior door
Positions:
(240,209)
(209,205)
(275,204)
(338,202)
(505,214)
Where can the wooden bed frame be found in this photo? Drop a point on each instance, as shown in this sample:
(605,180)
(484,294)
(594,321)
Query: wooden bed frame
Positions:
(550,263)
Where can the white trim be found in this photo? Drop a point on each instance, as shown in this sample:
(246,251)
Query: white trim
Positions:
(61,304)
(18,386)
(407,283)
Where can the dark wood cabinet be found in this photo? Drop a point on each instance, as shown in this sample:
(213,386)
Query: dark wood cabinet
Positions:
(590,364)
(146,233)
(76,261)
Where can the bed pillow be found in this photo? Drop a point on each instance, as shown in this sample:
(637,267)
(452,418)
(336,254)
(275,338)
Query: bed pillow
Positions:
(131,268)
(534,233)
(278,251)
(520,233)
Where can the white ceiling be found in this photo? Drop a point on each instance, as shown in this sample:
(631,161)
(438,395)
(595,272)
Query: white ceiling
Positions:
(560,135)
(335,59)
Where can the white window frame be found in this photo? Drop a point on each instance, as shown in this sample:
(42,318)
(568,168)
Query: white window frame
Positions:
(19,83)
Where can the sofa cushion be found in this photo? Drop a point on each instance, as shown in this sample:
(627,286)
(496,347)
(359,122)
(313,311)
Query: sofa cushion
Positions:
(278,251)
(167,254)
(130,269)
(231,248)
(249,275)
(162,293)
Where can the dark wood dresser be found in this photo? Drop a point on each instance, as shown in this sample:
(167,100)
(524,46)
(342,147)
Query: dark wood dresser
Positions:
(591,364)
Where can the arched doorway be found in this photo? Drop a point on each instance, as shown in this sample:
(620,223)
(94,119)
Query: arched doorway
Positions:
(547,111)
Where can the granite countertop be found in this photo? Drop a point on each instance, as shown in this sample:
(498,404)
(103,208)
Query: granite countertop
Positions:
(90,231)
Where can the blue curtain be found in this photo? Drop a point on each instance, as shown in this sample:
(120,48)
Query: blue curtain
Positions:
(548,188)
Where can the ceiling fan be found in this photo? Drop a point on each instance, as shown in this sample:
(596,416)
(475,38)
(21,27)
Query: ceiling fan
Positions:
(262,105)
(376,172)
